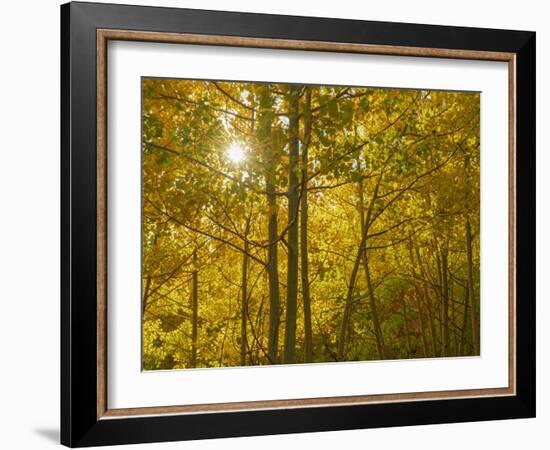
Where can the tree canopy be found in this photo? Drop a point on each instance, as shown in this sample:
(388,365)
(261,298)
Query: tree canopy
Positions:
(292,223)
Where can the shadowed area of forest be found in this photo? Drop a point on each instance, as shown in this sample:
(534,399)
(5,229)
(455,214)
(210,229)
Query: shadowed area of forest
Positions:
(291,223)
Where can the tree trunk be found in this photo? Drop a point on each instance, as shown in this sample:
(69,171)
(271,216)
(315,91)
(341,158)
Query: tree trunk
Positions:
(406,323)
(445,302)
(441,289)
(471,290)
(429,304)
(419,302)
(244,296)
(292,238)
(194,310)
(372,299)
(146,294)
(380,346)
(425,346)
(452,318)
(308,333)
(264,131)
(147,288)
(349,299)
(462,349)
(353,277)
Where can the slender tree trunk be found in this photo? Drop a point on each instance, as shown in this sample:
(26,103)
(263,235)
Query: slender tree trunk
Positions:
(462,349)
(292,241)
(264,132)
(419,302)
(260,320)
(353,277)
(431,316)
(308,333)
(421,313)
(406,323)
(244,296)
(380,346)
(194,310)
(146,290)
(273,272)
(372,298)
(440,303)
(349,299)
(471,290)
(431,310)
(445,299)
(222,347)
(452,318)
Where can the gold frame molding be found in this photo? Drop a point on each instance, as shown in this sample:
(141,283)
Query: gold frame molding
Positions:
(103,36)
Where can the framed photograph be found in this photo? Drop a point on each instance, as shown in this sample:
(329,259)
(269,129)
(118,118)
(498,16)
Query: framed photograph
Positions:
(276,224)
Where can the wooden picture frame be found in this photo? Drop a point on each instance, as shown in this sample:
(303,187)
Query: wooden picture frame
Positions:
(86,419)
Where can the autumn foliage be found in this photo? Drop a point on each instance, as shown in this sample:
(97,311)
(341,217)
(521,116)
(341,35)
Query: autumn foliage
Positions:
(288,223)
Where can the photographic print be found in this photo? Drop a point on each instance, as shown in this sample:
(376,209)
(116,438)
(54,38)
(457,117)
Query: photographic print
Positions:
(295,223)
(256,205)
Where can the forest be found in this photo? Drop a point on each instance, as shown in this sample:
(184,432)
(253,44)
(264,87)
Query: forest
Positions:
(294,223)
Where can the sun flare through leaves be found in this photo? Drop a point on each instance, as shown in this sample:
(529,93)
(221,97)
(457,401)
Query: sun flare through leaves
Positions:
(236,153)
